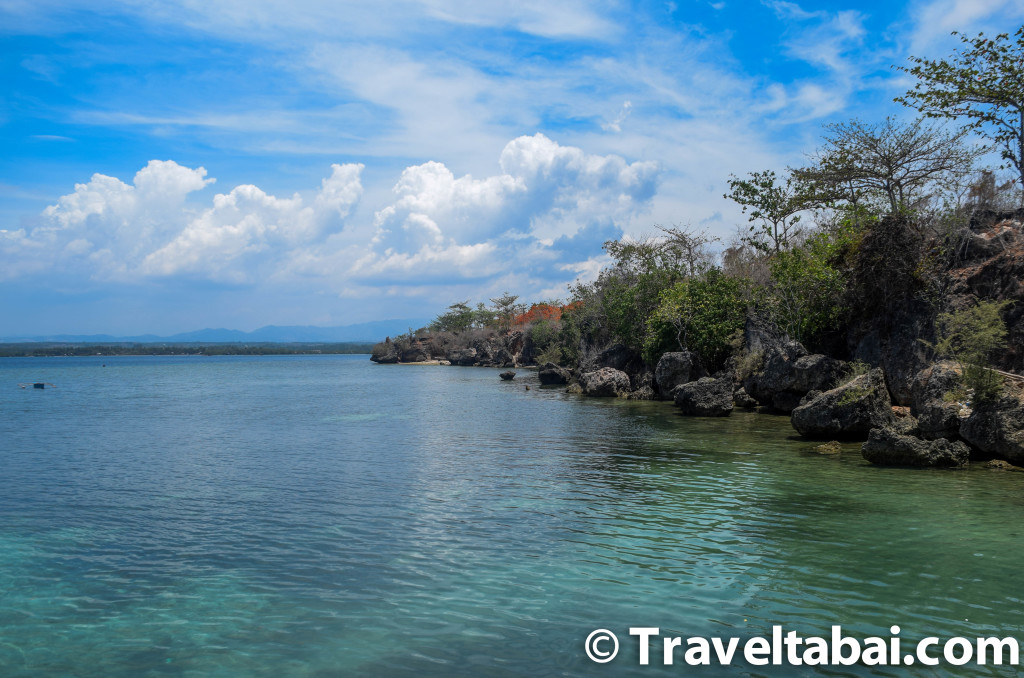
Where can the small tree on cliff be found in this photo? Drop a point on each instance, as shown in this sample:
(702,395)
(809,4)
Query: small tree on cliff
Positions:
(458,318)
(505,310)
(982,82)
(900,162)
(774,207)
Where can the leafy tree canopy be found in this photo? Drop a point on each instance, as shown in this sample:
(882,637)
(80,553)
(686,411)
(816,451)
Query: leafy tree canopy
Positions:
(983,83)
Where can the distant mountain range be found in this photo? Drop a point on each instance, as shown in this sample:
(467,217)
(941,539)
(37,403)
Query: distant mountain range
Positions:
(362,332)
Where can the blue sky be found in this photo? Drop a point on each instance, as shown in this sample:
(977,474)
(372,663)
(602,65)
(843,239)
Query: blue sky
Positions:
(177,164)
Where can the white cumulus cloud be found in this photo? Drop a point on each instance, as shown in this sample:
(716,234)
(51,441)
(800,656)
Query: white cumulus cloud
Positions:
(247,227)
(535,222)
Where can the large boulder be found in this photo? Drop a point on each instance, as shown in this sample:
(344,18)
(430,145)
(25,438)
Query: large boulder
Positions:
(997,428)
(551,374)
(789,373)
(675,369)
(903,353)
(605,383)
(848,411)
(816,372)
(886,447)
(706,397)
(931,402)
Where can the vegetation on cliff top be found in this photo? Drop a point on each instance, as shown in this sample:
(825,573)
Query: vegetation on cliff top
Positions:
(860,238)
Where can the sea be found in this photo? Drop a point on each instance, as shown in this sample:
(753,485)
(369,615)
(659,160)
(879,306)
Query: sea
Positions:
(323,516)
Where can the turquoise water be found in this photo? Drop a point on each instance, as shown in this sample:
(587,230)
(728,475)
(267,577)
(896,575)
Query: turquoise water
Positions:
(322,516)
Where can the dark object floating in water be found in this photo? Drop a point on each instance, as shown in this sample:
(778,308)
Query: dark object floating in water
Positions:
(507,376)
(38,384)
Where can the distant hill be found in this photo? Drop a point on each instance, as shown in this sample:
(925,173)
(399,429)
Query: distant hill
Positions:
(361,332)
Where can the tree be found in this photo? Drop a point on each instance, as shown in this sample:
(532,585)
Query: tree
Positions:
(699,314)
(898,161)
(808,284)
(775,205)
(628,291)
(982,82)
(679,252)
(458,318)
(505,310)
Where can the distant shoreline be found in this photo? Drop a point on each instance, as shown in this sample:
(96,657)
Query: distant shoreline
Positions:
(113,349)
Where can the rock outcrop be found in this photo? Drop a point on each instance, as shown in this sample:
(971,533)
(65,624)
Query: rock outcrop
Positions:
(848,411)
(507,376)
(606,382)
(886,447)
(997,429)
(551,374)
(465,357)
(932,403)
(992,267)
(417,351)
(742,399)
(789,373)
(675,369)
(386,352)
(706,397)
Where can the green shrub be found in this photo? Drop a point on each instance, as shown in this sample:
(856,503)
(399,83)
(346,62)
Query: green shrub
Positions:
(970,336)
(700,314)
(809,284)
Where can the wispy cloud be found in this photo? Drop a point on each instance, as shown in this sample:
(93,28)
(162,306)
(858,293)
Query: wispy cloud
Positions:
(620,117)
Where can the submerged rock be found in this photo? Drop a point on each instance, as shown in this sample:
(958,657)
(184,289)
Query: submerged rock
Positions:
(643,393)
(706,397)
(886,447)
(831,447)
(849,411)
(606,382)
(1001,465)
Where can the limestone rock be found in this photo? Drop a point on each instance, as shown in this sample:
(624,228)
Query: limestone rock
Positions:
(606,382)
(930,402)
(997,428)
(706,397)
(675,369)
(742,399)
(789,373)
(886,447)
(551,374)
(849,411)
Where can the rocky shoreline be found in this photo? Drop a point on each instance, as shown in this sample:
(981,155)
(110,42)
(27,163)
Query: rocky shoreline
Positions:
(886,390)
(824,403)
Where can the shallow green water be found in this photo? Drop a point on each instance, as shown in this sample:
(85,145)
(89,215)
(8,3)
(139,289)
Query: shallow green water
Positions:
(323,516)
